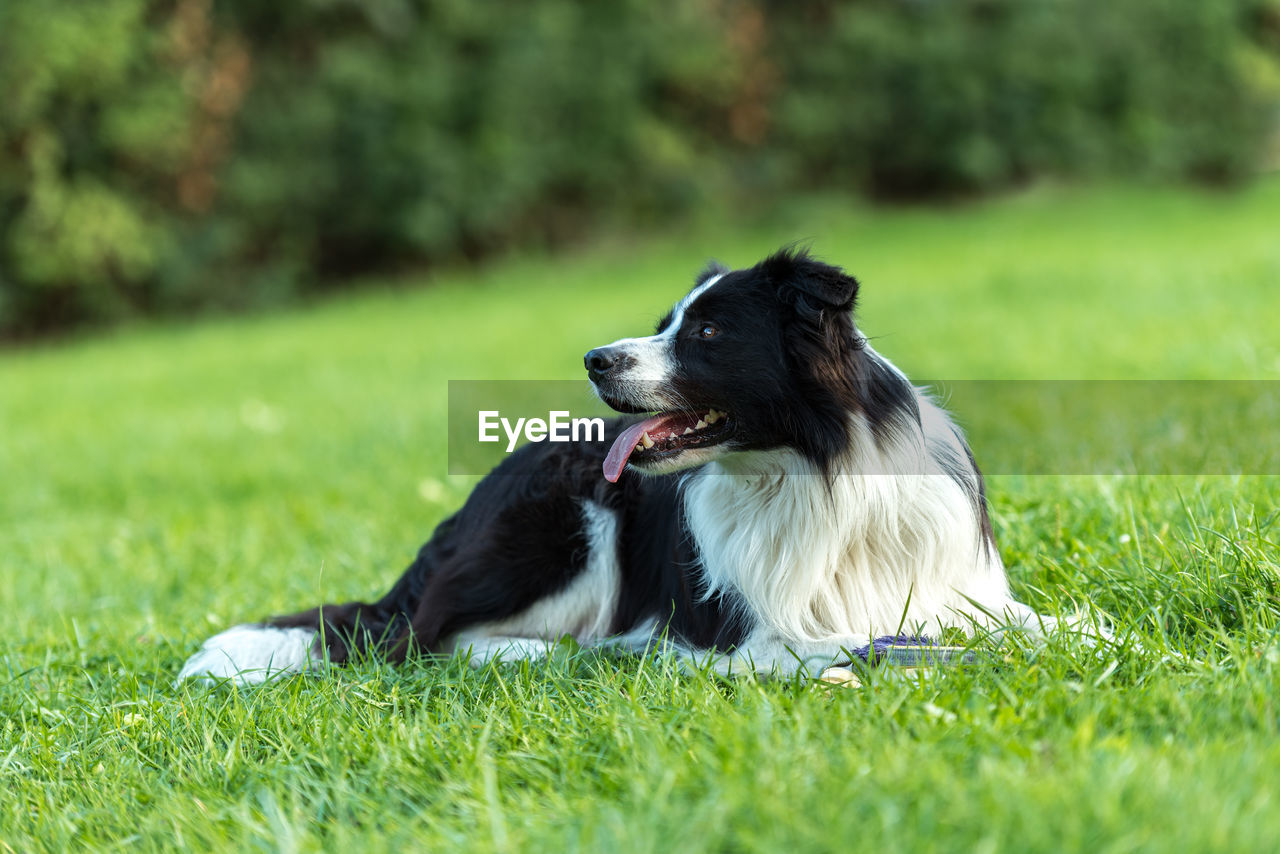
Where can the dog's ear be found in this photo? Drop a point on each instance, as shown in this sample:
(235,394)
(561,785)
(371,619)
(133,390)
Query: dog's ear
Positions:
(810,285)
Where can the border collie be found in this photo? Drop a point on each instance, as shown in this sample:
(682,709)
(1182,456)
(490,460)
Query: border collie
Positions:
(787,496)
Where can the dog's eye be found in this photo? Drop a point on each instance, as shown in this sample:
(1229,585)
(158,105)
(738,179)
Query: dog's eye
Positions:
(708,331)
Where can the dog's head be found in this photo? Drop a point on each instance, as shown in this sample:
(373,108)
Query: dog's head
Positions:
(751,359)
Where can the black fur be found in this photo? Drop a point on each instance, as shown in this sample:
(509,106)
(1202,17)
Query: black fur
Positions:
(518,538)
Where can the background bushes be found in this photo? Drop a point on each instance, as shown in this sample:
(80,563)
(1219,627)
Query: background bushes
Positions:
(169,156)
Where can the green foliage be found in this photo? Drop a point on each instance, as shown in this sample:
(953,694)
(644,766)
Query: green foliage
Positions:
(433,130)
(166,155)
(922,98)
(77,231)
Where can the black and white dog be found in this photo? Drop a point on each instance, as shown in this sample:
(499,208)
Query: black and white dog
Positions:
(787,496)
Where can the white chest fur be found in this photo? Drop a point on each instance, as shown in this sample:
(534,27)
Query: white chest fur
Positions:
(882,544)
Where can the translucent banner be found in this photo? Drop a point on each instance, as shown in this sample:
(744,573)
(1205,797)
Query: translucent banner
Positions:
(1216,427)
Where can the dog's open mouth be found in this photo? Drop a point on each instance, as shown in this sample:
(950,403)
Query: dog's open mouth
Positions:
(665,435)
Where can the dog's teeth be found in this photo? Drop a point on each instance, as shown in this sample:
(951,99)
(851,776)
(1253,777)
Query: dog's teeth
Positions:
(687,431)
(712,417)
(700,424)
(645,440)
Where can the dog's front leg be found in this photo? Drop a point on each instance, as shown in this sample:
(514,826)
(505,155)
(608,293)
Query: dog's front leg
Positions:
(480,651)
(770,654)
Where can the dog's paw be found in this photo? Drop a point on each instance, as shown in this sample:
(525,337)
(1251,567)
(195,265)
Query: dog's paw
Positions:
(252,654)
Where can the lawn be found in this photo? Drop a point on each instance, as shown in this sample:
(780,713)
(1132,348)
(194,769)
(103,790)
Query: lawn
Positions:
(163,482)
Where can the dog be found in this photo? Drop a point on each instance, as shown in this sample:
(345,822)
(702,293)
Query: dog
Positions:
(785,495)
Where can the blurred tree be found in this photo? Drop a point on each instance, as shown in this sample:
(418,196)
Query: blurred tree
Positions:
(168,155)
(922,98)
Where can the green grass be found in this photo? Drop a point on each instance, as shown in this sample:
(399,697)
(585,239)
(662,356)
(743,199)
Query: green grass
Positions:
(164,482)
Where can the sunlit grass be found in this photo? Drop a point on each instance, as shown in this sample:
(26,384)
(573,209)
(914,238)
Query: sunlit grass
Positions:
(164,482)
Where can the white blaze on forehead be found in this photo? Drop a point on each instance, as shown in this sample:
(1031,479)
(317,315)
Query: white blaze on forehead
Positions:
(677,314)
(654,360)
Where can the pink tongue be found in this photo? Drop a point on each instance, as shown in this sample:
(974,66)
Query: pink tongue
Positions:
(616,460)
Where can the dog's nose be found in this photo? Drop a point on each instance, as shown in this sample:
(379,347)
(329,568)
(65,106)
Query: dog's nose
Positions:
(600,361)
